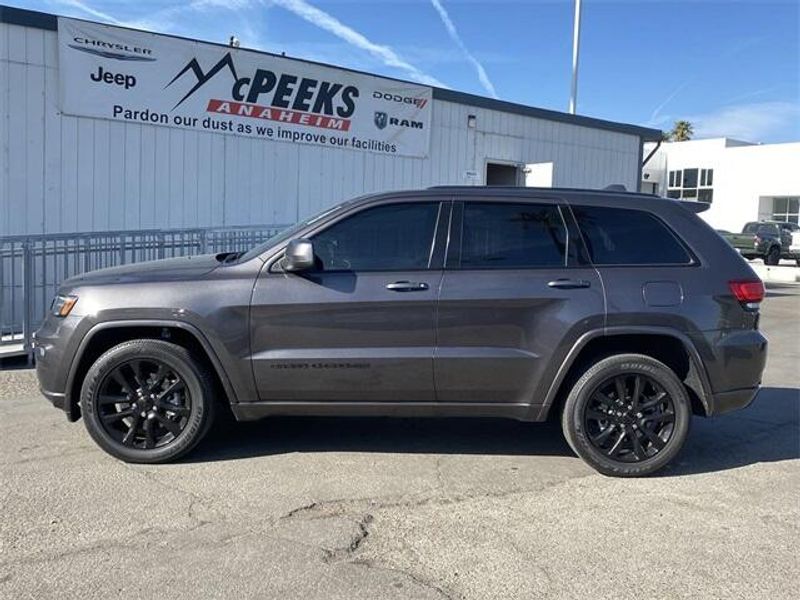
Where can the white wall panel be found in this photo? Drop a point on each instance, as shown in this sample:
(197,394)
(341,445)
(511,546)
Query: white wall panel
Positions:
(64,174)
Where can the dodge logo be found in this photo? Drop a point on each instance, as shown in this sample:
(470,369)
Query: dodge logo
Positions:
(381,118)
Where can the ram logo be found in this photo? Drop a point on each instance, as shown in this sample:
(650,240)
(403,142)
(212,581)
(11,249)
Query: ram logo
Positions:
(381,118)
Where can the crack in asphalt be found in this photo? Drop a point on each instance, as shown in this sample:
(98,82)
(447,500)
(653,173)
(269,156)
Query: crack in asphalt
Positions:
(419,580)
(344,552)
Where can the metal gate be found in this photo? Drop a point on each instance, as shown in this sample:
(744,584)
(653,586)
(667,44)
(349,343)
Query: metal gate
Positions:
(33,266)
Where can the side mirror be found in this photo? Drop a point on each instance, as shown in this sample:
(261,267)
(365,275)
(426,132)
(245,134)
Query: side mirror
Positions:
(299,256)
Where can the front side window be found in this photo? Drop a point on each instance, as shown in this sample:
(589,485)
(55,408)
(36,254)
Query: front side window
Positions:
(506,236)
(394,237)
(619,236)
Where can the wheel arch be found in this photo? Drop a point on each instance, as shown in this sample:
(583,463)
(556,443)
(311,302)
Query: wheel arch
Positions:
(670,346)
(104,336)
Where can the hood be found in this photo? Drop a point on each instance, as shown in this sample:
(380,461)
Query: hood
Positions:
(170,269)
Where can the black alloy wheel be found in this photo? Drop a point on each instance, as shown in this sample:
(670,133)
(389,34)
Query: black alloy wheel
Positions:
(143,404)
(629,417)
(148,401)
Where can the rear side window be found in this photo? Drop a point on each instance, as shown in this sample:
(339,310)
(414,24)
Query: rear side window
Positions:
(505,236)
(619,236)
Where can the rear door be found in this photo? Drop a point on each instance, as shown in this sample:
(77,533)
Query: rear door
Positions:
(361,326)
(516,294)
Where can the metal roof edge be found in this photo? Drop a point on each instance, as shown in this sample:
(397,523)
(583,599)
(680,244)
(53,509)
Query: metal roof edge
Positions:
(48,21)
(28,18)
(646,133)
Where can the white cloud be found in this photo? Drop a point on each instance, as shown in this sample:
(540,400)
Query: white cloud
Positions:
(331,24)
(756,122)
(166,20)
(453,33)
(92,12)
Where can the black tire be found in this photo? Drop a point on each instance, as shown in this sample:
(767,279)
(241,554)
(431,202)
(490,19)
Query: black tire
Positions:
(773,257)
(147,401)
(661,424)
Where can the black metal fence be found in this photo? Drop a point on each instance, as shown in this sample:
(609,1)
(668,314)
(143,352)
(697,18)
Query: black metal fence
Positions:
(33,266)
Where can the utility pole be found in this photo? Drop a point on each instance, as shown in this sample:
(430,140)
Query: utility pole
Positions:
(576,44)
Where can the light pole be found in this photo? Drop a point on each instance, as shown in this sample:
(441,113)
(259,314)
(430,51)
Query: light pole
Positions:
(576,44)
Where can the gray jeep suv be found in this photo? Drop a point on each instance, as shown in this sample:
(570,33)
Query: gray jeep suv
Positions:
(620,314)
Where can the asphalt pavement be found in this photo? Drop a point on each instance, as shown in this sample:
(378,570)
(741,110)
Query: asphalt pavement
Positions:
(412,508)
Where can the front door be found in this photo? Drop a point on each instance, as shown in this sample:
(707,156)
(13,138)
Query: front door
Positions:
(515,297)
(360,327)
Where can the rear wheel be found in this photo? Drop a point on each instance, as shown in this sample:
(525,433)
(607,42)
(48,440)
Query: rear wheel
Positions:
(147,401)
(627,416)
(773,257)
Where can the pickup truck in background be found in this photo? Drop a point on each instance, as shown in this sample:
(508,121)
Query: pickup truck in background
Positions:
(770,240)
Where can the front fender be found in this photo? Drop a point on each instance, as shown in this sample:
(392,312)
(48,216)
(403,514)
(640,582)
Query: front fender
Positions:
(232,390)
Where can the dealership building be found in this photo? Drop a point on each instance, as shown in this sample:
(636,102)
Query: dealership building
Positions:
(108,129)
(742,181)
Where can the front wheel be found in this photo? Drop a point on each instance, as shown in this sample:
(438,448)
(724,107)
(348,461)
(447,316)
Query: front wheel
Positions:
(147,401)
(627,416)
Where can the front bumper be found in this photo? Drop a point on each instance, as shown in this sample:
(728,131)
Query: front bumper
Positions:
(55,345)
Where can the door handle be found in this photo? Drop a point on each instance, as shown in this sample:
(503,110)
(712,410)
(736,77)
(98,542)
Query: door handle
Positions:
(407,286)
(569,284)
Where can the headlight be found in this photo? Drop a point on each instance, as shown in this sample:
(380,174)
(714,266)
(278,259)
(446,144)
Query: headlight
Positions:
(62,305)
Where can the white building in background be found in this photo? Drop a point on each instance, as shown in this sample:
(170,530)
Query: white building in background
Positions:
(742,181)
(107,128)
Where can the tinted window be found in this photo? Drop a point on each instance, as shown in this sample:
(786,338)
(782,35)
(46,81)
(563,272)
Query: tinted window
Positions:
(499,235)
(618,236)
(750,228)
(767,229)
(384,238)
(690,178)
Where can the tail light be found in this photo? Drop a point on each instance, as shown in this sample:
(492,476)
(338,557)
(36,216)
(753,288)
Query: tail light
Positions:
(756,241)
(749,292)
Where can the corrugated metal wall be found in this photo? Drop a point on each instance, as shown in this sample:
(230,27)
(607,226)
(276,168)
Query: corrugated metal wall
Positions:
(64,174)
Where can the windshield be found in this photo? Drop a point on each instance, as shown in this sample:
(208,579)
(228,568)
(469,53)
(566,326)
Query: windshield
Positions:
(288,233)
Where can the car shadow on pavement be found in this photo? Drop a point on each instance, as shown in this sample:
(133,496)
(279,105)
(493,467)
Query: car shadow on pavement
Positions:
(767,431)
(280,435)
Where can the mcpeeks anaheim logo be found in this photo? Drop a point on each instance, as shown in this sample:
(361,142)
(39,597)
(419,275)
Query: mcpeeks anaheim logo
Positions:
(111,49)
(275,96)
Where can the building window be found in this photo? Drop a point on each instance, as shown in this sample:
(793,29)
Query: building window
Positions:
(786,209)
(691,184)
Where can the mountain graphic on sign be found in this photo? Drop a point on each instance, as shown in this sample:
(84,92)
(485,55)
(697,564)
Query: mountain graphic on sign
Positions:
(202,77)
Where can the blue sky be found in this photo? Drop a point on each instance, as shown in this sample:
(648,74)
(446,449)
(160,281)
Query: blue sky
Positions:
(732,68)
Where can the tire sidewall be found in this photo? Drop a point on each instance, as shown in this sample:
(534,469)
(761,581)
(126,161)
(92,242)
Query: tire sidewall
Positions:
(573,421)
(177,358)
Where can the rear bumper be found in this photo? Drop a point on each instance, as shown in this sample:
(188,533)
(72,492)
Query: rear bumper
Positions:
(734,361)
(726,402)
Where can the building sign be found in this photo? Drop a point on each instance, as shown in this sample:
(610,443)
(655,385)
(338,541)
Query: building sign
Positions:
(136,77)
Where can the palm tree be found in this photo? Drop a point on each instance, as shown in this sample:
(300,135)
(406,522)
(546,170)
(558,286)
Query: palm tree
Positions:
(682,131)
